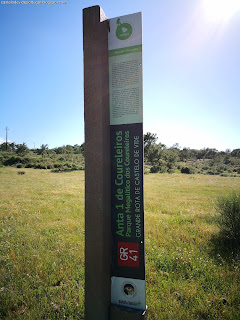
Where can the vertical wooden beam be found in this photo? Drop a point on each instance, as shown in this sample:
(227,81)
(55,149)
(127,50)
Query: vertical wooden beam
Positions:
(97,165)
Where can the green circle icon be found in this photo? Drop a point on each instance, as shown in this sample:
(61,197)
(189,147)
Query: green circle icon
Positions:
(124,31)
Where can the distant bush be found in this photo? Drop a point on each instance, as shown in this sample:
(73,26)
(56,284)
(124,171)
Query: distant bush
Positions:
(57,165)
(154,169)
(187,170)
(29,165)
(21,172)
(211,173)
(40,166)
(12,160)
(229,217)
(224,174)
(67,165)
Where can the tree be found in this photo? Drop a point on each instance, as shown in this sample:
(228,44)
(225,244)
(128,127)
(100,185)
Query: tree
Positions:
(22,149)
(12,146)
(236,153)
(3,146)
(59,150)
(176,146)
(185,154)
(82,148)
(171,157)
(69,149)
(149,140)
(43,149)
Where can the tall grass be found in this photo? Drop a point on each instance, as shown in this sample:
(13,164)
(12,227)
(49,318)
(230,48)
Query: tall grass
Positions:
(229,218)
(42,247)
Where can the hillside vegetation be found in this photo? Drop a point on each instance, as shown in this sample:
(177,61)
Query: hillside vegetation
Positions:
(157,157)
(65,158)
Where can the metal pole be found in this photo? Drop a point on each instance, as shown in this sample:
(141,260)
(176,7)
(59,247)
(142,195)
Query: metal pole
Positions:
(6,138)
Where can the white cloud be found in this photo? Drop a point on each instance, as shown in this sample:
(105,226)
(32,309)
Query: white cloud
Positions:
(2,140)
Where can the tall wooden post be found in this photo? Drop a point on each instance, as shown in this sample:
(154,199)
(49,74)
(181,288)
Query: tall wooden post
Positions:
(97,165)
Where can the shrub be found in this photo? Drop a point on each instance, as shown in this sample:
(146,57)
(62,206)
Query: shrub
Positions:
(29,165)
(57,165)
(185,170)
(21,172)
(68,165)
(188,170)
(229,217)
(211,173)
(154,169)
(12,160)
(224,174)
(40,166)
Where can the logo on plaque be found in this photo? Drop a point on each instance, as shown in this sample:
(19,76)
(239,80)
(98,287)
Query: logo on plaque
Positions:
(124,30)
(129,290)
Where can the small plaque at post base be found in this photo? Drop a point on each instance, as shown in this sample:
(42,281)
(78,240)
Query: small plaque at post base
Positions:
(123,313)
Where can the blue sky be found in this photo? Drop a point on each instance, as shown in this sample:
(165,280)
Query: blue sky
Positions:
(191,71)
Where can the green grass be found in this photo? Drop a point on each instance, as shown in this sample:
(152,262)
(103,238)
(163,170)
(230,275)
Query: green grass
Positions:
(188,274)
(42,244)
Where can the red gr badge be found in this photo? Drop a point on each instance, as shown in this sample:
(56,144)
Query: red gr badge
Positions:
(128,254)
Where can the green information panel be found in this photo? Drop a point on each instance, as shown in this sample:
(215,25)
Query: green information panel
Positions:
(126,125)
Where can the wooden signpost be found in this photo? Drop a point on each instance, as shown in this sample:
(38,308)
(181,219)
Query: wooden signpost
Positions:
(114,211)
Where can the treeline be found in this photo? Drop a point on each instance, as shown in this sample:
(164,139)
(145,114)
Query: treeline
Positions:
(65,158)
(157,157)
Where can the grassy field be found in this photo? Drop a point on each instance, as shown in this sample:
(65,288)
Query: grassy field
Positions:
(188,274)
